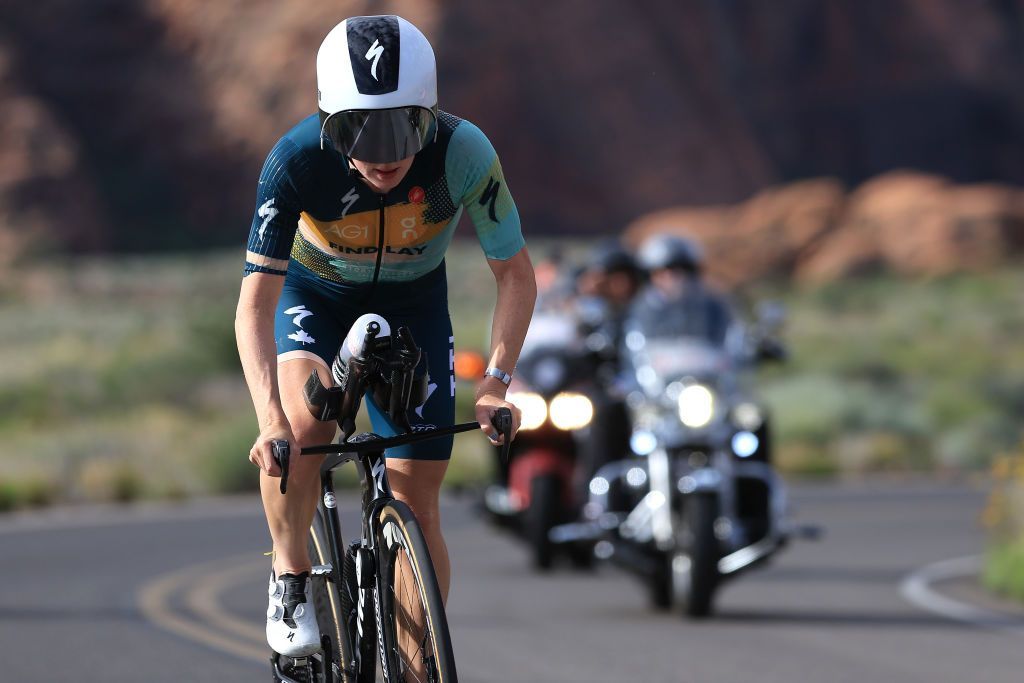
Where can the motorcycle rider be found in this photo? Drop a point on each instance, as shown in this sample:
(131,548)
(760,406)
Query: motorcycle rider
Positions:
(674,266)
(606,285)
(612,278)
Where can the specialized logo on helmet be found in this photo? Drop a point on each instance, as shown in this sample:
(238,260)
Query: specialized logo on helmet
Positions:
(374,53)
(374,50)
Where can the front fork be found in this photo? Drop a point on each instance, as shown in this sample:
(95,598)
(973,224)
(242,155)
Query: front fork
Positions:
(659,469)
(715,480)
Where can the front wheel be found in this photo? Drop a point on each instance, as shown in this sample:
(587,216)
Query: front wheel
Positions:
(694,567)
(415,644)
(540,516)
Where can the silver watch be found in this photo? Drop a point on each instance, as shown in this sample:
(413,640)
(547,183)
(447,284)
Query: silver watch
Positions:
(505,378)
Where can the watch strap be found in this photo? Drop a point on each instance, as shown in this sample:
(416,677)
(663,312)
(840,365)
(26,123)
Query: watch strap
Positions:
(501,375)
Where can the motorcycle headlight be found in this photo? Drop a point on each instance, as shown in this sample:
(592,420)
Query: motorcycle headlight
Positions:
(643,442)
(696,406)
(744,444)
(571,411)
(747,416)
(533,407)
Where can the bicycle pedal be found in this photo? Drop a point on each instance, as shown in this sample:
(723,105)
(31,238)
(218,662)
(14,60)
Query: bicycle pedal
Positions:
(321,570)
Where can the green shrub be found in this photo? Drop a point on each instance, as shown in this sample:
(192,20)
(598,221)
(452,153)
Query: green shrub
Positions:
(225,464)
(1004,570)
(1004,517)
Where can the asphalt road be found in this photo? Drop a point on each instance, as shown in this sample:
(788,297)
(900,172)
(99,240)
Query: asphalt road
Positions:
(178,594)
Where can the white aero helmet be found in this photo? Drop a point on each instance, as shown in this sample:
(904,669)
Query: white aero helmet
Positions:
(377,89)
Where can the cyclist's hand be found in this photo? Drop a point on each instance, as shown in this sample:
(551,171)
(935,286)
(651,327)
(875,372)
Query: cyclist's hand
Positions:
(262,454)
(486,405)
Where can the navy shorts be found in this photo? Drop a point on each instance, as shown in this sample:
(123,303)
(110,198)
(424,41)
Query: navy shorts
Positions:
(314,317)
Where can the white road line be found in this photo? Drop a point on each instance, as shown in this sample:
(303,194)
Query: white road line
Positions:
(917,589)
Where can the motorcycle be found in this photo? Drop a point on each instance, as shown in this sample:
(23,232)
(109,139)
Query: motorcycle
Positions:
(541,486)
(698,502)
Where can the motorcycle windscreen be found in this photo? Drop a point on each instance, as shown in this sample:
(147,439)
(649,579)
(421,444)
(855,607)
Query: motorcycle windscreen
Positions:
(379,136)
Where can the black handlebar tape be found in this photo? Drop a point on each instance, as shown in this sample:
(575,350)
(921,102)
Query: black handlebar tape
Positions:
(282,453)
(502,422)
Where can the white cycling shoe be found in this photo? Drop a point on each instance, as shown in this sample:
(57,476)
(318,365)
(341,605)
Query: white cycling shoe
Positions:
(291,620)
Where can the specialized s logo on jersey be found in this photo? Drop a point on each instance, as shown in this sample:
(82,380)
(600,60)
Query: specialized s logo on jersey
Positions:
(374,53)
(300,314)
(350,198)
(267,213)
(490,196)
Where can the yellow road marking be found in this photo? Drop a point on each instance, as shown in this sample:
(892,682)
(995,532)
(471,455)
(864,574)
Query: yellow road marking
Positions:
(204,600)
(155,604)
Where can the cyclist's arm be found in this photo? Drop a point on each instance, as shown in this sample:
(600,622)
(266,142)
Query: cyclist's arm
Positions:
(254,331)
(476,181)
(517,294)
(266,262)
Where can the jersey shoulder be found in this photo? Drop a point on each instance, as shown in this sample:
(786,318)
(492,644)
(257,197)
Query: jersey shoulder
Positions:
(305,135)
(468,154)
(297,164)
(290,159)
(464,141)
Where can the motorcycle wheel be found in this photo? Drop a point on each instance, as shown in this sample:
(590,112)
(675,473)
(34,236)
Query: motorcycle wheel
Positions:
(694,568)
(582,556)
(659,584)
(545,492)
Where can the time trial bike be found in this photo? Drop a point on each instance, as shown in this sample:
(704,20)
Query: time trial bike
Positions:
(376,599)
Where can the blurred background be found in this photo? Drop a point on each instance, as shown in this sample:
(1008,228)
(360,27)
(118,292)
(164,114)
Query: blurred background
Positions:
(862,162)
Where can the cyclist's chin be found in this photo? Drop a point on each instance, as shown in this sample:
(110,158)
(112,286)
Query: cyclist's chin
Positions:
(383,177)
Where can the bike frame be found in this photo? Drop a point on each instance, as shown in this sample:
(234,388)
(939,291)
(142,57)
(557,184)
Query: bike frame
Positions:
(377,492)
(368,450)
(394,366)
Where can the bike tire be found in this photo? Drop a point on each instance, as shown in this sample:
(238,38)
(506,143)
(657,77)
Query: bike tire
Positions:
(401,547)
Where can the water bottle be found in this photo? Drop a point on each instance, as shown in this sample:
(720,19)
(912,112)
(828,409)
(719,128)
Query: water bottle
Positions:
(354,344)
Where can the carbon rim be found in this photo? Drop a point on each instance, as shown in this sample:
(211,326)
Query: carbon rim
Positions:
(414,637)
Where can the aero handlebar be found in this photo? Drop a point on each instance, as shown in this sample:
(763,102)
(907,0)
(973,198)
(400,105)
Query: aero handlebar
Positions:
(501,421)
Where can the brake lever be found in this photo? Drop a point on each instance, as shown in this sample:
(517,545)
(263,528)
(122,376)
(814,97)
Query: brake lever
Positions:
(502,422)
(282,454)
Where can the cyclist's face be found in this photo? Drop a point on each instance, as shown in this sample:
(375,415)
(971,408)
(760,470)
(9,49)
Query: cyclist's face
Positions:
(383,177)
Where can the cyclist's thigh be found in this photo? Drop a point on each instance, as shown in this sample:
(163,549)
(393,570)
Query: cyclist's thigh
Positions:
(432,329)
(307,335)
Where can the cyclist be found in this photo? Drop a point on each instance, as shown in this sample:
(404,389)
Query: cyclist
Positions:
(356,207)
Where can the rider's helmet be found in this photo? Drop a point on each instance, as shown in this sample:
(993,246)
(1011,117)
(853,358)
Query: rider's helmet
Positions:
(377,89)
(611,257)
(671,252)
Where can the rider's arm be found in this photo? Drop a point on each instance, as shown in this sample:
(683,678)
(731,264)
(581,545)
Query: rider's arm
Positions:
(517,294)
(477,183)
(266,262)
(254,331)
